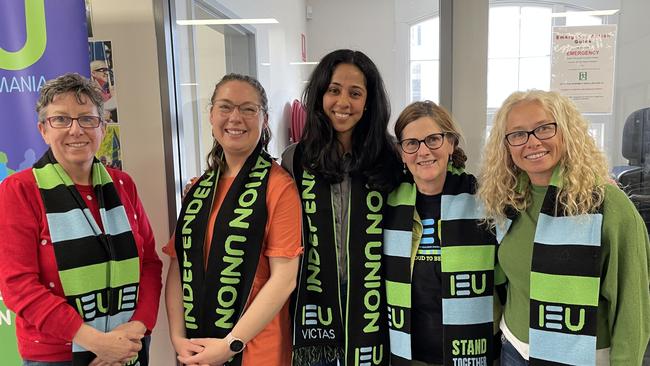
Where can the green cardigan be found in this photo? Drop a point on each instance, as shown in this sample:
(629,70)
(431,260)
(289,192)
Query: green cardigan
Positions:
(623,316)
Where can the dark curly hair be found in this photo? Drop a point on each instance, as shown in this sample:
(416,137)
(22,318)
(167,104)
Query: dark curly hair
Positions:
(373,154)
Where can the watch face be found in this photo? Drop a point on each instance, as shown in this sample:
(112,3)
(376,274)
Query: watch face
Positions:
(236,345)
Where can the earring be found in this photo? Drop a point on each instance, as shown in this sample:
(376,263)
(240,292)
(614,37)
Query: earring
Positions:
(404,168)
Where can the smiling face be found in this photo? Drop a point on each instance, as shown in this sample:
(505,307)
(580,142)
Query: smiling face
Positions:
(428,167)
(238,135)
(74,147)
(344,100)
(536,157)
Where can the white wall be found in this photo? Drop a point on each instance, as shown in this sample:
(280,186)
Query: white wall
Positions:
(130,26)
(364,25)
(277,45)
(632,77)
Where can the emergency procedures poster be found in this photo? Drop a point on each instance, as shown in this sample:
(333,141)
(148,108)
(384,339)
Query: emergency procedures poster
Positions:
(582,66)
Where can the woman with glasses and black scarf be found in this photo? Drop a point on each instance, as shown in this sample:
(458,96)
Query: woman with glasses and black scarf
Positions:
(439,258)
(572,246)
(236,248)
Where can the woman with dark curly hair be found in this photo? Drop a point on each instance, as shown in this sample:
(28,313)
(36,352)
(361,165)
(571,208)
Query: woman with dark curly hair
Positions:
(439,258)
(344,166)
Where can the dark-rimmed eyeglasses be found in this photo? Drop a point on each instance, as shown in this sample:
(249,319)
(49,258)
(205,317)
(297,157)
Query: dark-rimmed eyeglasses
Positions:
(247,110)
(66,121)
(543,132)
(433,142)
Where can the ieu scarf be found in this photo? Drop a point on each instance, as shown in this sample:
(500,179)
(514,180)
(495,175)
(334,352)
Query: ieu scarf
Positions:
(214,296)
(467,261)
(99,271)
(320,333)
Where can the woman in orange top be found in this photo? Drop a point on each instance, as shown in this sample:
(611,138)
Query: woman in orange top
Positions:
(236,243)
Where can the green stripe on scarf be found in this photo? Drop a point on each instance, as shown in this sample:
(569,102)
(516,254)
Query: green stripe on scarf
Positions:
(398,293)
(468,258)
(80,280)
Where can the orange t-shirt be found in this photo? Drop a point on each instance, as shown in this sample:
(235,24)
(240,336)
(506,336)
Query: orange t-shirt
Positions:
(282,238)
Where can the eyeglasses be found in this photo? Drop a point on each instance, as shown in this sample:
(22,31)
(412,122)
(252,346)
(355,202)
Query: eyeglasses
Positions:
(433,142)
(247,110)
(66,122)
(543,132)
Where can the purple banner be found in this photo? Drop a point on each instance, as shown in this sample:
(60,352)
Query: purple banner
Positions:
(39,40)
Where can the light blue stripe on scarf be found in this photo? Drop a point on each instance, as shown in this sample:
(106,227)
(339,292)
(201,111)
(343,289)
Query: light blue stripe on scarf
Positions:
(462,206)
(400,343)
(397,243)
(470,310)
(71,225)
(115,220)
(109,324)
(561,347)
(569,230)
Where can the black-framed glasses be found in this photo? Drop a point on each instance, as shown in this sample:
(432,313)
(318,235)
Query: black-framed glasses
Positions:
(66,121)
(543,132)
(247,110)
(433,142)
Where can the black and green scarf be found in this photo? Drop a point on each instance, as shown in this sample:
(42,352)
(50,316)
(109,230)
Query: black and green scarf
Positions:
(468,263)
(99,271)
(320,333)
(214,296)
(564,282)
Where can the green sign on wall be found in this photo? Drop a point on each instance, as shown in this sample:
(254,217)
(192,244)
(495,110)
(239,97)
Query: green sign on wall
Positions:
(8,348)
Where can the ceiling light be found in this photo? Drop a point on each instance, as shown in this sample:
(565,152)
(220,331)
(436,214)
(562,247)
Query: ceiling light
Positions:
(226,21)
(588,12)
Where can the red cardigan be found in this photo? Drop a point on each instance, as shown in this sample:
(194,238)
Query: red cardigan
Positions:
(29,279)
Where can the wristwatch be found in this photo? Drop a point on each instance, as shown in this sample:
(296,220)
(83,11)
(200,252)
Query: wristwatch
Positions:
(236,345)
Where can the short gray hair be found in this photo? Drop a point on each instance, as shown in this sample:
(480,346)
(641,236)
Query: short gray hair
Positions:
(69,83)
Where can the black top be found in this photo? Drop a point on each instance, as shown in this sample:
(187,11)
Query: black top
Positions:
(426,290)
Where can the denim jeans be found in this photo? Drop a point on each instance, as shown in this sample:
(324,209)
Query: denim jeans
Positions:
(146,342)
(325,363)
(509,354)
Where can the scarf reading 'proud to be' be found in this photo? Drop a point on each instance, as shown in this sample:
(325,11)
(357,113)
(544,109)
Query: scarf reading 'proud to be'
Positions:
(468,261)
(564,282)
(99,271)
(214,296)
(320,334)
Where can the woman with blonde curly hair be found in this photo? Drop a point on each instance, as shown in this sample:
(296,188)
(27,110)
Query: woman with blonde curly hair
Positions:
(573,248)
(439,260)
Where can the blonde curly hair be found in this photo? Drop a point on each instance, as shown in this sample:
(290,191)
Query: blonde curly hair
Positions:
(583,166)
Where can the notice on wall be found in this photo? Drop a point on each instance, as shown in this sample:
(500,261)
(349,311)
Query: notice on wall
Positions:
(582,66)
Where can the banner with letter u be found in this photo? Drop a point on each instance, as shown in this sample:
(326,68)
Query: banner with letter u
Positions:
(39,40)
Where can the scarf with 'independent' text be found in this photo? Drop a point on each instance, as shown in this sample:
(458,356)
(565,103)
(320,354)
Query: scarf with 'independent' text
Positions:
(320,332)
(214,296)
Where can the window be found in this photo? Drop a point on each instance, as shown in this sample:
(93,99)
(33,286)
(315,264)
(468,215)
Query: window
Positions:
(425,60)
(519,54)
